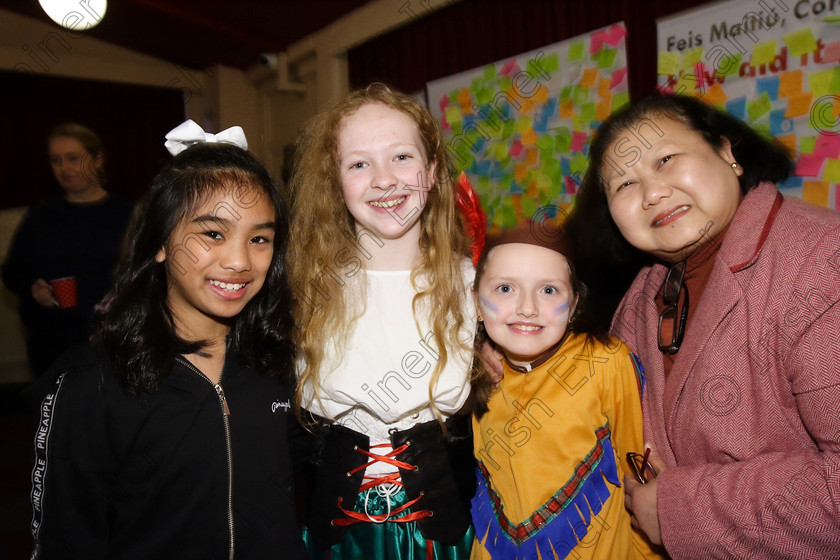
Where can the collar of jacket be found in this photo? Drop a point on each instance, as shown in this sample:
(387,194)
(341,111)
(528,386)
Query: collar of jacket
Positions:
(750,226)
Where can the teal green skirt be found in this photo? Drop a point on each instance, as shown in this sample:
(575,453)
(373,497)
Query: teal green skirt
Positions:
(389,540)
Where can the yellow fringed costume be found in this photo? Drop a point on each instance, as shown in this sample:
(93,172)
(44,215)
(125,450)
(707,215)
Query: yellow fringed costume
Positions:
(551,457)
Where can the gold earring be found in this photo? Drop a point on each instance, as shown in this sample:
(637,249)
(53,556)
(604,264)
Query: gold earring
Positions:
(480,318)
(734,164)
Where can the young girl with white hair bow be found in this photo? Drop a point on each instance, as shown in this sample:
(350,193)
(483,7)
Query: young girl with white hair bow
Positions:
(160,439)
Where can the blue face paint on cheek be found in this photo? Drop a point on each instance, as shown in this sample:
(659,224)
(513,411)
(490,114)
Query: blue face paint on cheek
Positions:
(488,307)
(561,312)
(561,308)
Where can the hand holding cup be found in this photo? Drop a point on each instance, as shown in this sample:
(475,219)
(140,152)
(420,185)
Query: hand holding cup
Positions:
(42,293)
(64,292)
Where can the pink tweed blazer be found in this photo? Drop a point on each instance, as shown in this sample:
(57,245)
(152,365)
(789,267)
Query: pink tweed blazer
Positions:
(748,420)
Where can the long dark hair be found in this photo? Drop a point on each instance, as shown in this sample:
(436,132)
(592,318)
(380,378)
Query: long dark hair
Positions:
(137,332)
(607,262)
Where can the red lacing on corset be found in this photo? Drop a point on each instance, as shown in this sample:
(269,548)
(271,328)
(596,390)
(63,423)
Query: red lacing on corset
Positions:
(354,517)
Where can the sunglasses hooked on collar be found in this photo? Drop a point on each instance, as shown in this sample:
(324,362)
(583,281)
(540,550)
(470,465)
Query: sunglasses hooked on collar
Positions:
(673,287)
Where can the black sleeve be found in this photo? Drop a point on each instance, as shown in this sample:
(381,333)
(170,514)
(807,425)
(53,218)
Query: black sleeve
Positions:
(73,471)
(301,444)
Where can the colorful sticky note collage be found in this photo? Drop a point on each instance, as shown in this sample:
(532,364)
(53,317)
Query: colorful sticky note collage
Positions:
(520,128)
(785,82)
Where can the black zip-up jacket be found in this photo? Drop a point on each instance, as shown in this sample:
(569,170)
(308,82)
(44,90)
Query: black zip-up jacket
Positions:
(166,476)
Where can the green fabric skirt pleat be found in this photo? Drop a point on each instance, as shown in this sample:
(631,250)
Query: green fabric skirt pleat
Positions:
(387,541)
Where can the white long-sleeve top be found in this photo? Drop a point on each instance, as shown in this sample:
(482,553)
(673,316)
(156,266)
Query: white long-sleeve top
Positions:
(380,381)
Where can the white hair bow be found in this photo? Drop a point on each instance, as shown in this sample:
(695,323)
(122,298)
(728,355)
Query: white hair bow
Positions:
(188,133)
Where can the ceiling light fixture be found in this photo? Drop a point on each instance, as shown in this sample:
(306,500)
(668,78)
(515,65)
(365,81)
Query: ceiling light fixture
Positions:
(76,15)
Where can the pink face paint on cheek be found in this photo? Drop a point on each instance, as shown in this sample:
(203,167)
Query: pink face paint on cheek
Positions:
(561,312)
(488,307)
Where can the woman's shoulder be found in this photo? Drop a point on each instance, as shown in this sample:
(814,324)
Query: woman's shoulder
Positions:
(45,209)
(805,238)
(799,219)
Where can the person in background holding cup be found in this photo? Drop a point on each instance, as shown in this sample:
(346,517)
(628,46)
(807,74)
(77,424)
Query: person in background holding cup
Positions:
(62,257)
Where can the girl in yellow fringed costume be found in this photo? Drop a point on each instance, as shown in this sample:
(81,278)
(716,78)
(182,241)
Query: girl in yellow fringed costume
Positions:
(552,441)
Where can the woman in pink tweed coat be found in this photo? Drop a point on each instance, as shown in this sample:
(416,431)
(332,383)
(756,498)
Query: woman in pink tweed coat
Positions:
(735,317)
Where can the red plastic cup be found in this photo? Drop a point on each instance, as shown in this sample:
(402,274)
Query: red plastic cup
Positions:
(64,290)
